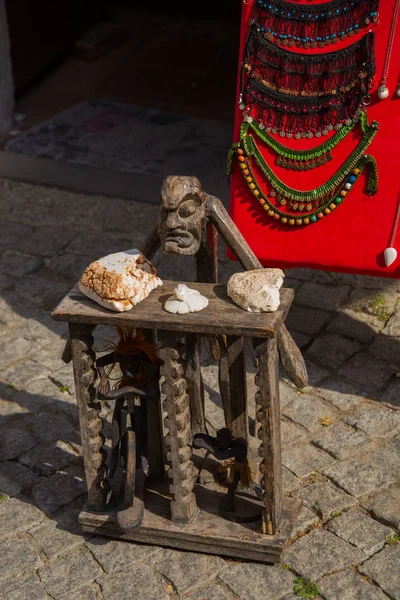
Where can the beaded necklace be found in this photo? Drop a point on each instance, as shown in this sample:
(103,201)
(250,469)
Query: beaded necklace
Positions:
(297,160)
(317,25)
(297,207)
(301,95)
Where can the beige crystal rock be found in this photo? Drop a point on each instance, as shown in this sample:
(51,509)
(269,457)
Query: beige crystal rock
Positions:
(256,291)
(119,281)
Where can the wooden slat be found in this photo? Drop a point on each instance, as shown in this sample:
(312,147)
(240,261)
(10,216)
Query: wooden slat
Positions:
(221,316)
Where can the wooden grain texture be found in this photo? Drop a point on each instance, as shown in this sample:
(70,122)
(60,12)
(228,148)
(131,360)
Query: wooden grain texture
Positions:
(176,404)
(195,383)
(221,316)
(237,387)
(291,358)
(269,432)
(209,532)
(89,409)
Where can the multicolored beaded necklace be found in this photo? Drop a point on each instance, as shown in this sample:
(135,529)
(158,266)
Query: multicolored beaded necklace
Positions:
(295,207)
(301,95)
(319,25)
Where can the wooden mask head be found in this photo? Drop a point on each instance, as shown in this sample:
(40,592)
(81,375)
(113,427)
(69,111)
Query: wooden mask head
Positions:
(181,216)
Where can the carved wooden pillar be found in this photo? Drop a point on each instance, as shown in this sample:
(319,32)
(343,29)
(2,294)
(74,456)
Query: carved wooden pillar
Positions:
(269,431)
(176,405)
(90,423)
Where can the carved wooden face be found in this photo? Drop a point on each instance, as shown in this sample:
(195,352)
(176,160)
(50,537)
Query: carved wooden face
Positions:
(182,214)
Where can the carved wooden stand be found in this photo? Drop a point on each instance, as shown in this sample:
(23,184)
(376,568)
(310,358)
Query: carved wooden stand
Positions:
(184,514)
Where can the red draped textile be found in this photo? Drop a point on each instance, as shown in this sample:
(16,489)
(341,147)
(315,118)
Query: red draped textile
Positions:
(351,239)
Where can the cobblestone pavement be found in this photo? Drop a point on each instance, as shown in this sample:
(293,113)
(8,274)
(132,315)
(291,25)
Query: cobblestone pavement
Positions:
(340,435)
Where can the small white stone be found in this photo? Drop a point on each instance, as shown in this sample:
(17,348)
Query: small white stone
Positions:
(185,300)
(348,186)
(383,92)
(256,291)
(390,256)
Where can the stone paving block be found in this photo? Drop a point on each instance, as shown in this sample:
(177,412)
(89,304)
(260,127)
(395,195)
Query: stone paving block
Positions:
(340,393)
(342,441)
(333,350)
(115,555)
(17,555)
(377,305)
(385,506)
(321,552)
(15,478)
(307,320)
(348,323)
(14,442)
(45,241)
(325,498)
(140,583)
(287,393)
(18,263)
(95,246)
(384,568)
(292,434)
(17,516)
(386,457)
(392,327)
(10,408)
(316,373)
(289,481)
(56,491)
(322,297)
(307,410)
(24,373)
(186,571)
(57,537)
(215,592)
(377,423)
(392,393)
(346,585)
(68,573)
(46,460)
(360,530)
(306,519)
(6,281)
(252,581)
(304,459)
(67,266)
(358,478)
(84,593)
(26,587)
(365,370)
(41,292)
(48,428)
(387,349)
(301,274)
(15,349)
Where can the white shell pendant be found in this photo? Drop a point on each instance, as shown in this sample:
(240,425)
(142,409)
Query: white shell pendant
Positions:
(383,92)
(390,256)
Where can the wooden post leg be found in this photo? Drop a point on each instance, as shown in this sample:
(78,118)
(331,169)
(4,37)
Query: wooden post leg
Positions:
(195,383)
(233,387)
(269,432)
(155,443)
(176,404)
(90,423)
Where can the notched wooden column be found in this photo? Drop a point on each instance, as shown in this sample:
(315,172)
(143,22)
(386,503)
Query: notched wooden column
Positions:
(178,441)
(90,423)
(269,432)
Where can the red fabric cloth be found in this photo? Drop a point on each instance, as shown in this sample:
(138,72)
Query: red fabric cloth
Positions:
(351,239)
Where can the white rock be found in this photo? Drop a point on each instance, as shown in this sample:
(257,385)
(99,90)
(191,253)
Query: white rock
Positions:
(185,300)
(119,281)
(256,291)
(390,256)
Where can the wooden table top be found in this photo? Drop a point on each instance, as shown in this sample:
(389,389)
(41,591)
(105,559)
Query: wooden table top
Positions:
(221,316)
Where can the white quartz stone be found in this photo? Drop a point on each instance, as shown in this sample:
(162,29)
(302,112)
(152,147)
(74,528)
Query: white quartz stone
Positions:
(185,300)
(390,256)
(256,291)
(119,281)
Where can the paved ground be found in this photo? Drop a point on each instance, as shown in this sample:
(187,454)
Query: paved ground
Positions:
(341,435)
